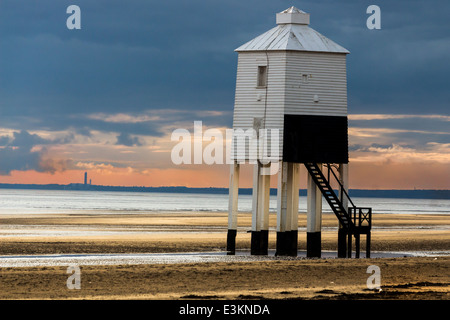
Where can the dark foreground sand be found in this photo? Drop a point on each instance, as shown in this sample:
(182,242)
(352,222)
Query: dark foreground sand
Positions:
(401,278)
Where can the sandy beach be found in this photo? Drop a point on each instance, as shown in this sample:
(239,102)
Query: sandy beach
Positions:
(409,277)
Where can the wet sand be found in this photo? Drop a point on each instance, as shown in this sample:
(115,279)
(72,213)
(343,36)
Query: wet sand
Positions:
(192,232)
(300,278)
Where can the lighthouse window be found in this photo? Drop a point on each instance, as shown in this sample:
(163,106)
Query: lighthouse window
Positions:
(305,78)
(262,76)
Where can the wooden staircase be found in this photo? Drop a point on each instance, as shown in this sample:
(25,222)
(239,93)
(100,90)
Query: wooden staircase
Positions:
(353,220)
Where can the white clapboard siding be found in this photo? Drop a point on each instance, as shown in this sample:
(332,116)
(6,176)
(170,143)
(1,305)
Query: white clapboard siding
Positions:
(327,79)
(247,107)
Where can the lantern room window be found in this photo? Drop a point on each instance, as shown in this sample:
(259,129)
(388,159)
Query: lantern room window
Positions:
(262,76)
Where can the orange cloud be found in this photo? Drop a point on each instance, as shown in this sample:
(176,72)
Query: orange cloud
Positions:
(396,116)
(388,175)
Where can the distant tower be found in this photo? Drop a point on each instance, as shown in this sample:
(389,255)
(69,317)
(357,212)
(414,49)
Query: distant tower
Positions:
(291,80)
(85,178)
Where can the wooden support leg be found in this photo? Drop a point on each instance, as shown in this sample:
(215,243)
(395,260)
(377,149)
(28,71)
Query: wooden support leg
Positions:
(314,220)
(260,216)
(282,210)
(342,242)
(287,218)
(233,208)
(342,238)
(293,203)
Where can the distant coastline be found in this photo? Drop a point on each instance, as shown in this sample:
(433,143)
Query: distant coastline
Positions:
(408,194)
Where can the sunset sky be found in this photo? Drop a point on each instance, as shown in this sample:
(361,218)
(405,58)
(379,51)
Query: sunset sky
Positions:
(105,99)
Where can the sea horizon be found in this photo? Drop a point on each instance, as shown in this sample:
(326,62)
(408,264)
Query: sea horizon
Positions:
(443,194)
(26,201)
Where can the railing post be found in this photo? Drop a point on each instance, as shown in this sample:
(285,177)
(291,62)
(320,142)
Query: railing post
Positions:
(329,168)
(357,244)
(349,244)
(368,245)
(360,216)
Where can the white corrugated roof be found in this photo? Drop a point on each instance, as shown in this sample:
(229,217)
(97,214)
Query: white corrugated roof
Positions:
(292,36)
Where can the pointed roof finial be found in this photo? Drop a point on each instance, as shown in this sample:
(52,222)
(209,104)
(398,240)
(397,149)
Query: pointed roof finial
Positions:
(292,10)
(293,15)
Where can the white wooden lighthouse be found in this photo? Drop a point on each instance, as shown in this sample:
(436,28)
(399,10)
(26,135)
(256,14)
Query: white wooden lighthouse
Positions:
(291,92)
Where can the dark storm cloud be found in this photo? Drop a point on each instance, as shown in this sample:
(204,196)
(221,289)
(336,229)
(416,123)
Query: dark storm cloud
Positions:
(16,153)
(134,56)
(25,140)
(4,140)
(18,159)
(408,130)
(127,140)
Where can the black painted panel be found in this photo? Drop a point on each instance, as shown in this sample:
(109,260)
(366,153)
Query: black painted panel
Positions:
(319,139)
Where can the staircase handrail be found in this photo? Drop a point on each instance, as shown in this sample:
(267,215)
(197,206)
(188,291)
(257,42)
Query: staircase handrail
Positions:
(342,189)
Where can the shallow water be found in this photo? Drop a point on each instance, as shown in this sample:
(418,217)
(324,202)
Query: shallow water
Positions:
(169,258)
(14,201)
(12,231)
